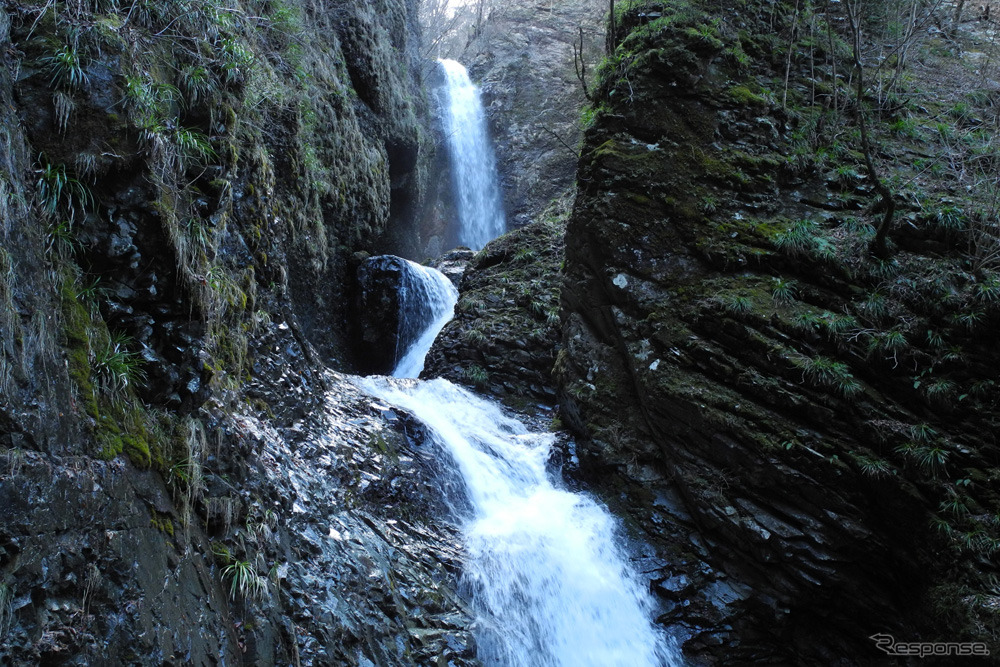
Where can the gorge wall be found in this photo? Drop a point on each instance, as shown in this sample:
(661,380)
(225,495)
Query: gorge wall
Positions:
(185,192)
(805,429)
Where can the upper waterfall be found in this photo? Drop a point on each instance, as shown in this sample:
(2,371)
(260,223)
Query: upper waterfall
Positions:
(474,171)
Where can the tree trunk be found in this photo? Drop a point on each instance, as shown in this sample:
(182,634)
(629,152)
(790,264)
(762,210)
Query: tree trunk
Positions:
(878,245)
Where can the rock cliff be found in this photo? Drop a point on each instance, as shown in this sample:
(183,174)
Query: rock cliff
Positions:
(803,428)
(183,190)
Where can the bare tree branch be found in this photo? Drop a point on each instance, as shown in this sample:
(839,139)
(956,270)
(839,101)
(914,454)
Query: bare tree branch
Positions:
(561,141)
(580,65)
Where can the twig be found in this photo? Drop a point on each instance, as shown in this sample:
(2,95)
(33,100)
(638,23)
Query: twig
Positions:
(560,140)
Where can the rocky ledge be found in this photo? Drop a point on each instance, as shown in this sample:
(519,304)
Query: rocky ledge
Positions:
(504,336)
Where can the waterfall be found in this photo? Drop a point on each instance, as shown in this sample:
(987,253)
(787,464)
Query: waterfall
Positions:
(549,583)
(426,303)
(473,165)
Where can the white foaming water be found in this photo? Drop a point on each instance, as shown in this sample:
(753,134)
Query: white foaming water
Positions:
(426,299)
(549,584)
(475,174)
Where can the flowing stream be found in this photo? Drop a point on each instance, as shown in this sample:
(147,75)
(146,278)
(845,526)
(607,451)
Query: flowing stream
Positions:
(426,303)
(548,581)
(473,164)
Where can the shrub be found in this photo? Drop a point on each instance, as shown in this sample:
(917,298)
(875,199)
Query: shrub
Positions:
(799,239)
(784,290)
(823,372)
(59,192)
(116,368)
(243,579)
(477,375)
(65,68)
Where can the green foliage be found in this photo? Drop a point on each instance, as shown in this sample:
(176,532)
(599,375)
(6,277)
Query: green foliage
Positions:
(807,320)
(538,308)
(244,580)
(873,466)
(922,432)
(475,337)
(91,294)
(59,240)
(847,175)
(524,255)
(969,319)
(784,290)
(116,368)
(225,288)
(893,341)
(736,304)
(59,193)
(148,99)
(906,127)
(988,291)
(889,343)
(285,18)
(929,456)
(950,217)
(65,69)
(836,324)
(196,82)
(199,233)
(706,33)
(471,305)
(875,305)
(739,56)
(179,474)
(798,239)
(940,390)
(237,60)
(194,147)
(823,372)
(954,504)
(477,375)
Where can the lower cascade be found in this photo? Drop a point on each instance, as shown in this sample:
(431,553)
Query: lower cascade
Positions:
(426,303)
(548,582)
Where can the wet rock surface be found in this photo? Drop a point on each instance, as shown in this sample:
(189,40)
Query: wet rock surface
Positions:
(331,502)
(367,556)
(124,587)
(454,264)
(380,281)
